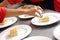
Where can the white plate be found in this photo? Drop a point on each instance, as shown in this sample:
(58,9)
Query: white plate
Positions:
(10,21)
(23,31)
(38,38)
(23,16)
(56,32)
(53,18)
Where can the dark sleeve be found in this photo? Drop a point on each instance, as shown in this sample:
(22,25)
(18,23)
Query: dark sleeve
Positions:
(1,1)
(27,1)
(49,4)
(46,4)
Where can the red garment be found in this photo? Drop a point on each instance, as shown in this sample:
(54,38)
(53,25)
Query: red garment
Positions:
(14,1)
(57,5)
(2,13)
(58,1)
(36,1)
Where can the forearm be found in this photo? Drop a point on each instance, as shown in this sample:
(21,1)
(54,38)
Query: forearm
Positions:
(13,12)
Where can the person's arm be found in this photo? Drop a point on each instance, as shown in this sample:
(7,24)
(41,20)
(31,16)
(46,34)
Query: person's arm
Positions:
(4,12)
(19,11)
(4,3)
(14,12)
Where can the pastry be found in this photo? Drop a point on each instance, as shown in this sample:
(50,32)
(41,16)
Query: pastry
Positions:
(45,19)
(14,32)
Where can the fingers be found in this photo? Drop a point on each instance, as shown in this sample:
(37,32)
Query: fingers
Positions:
(39,11)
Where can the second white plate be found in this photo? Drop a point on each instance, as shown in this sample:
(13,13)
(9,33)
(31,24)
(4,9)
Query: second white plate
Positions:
(23,16)
(10,21)
(53,18)
(23,31)
(38,38)
(56,32)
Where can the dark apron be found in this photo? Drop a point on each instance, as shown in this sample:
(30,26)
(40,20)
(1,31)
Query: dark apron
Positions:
(46,4)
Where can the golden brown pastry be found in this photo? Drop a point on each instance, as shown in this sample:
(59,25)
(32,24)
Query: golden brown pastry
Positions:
(45,19)
(14,32)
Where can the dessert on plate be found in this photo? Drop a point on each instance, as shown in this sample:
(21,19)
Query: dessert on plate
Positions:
(13,32)
(44,19)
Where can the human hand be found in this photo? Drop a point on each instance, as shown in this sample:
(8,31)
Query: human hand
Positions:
(32,10)
(39,11)
(29,11)
(38,8)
